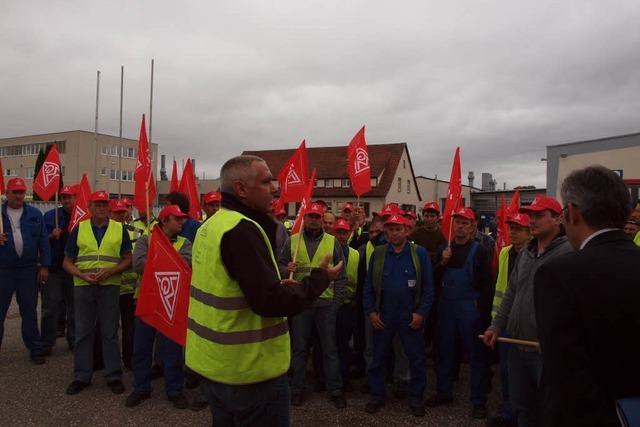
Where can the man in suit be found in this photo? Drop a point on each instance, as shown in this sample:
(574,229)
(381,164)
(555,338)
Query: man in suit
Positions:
(587,306)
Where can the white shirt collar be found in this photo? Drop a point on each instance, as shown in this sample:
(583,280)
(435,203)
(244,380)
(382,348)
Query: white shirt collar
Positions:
(597,233)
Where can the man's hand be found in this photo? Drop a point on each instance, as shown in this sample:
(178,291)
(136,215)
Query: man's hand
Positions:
(55,233)
(446,256)
(43,275)
(292,267)
(490,338)
(89,278)
(416,321)
(333,271)
(375,320)
(289,282)
(3,238)
(103,275)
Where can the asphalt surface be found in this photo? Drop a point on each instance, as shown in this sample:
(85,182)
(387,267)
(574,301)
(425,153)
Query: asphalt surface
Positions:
(35,396)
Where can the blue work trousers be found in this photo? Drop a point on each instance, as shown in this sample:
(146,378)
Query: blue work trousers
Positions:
(525,371)
(57,290)
(400,363)
(345,324)
(460,318)
(22,282)
(301,326)
(170,355)
(503,351)
(264,404)
(413,344)
(96,303)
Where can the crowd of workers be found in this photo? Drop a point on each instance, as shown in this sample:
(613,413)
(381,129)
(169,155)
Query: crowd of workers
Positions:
(372,296)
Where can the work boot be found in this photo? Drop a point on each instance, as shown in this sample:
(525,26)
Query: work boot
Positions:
(297,399)
(134,399)
(76,387)
(339,401)
(416,408)
(179,401)
(37,359)
(199,403)
(373,406)
(116,386)
(500,421)
(479,412)
(437,400)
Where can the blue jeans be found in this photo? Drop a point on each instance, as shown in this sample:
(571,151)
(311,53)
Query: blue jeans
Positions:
(96,303)
(264,404)
(503,350)
(22,282)
(396,326)
(461,318)
(58,289)
(170,356)
(301,326)
(525,371)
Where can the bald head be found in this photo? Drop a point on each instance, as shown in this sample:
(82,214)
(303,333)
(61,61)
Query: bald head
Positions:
(238,168)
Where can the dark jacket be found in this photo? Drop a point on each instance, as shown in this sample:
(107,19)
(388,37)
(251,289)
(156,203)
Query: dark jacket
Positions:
(57,245)
(35,240)
(516,313)
(248,261)
(588,313)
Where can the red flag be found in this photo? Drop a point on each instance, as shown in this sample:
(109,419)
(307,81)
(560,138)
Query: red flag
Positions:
(454,195)
(306,202)
(143,175)
(1,179)
(175,186)
(189,187)
(502,239)
(80,210)
(358,164)
(514,205)
(47,181)
(164,291)
(293,176)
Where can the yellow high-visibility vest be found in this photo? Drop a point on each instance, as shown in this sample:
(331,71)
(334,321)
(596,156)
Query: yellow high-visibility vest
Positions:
(503,279)
(352,274)
(305,265)
(227,342)
(92,257)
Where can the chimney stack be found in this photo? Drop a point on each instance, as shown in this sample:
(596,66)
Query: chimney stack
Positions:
(163,169)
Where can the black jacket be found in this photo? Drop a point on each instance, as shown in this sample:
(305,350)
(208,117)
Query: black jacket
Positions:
(587,307)
(248,261)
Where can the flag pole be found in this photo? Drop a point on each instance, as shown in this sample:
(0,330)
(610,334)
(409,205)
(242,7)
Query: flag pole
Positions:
(300,237)
(120,133)
(95,132)
(55,207)
(146,200)
(1,217)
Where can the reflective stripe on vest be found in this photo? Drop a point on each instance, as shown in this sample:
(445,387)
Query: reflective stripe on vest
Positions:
(352,274)
(305,265)
(92,258)
(503,279)
(227,342)
(378,268)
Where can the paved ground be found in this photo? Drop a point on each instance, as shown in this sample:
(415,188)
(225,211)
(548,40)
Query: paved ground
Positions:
(34,396)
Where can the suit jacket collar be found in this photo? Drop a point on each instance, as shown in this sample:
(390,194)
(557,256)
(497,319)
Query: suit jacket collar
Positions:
(608,237)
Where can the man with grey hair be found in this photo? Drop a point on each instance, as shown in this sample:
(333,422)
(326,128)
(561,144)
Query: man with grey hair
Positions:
(237,336)
(586,305)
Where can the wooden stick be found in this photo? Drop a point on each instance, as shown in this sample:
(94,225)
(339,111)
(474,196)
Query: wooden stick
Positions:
(146,201)
(56,209)
(525,343)
(300,237)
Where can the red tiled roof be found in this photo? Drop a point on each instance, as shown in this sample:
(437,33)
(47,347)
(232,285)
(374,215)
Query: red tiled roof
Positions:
(331,162)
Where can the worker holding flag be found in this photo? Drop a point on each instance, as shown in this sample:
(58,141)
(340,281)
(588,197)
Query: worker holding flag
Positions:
(237,337)
(170,224)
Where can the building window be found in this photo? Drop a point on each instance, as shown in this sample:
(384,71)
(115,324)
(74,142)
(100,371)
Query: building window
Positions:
(103,172)
(114,150)
(105,150)
(113,174)
(62,170)
(127,175)
(408,187)
(374,182)
(10,172)
(346,183)
(319,183)
(328,183)
(130,153)
(404,164)
(29,173)
(399,185)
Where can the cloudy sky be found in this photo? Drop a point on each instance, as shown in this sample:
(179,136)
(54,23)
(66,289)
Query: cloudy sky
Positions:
(500,79)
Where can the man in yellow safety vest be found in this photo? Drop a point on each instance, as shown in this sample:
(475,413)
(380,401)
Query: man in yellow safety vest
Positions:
(237,337)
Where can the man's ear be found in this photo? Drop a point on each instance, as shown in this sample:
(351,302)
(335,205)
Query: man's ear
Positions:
(574,215)
(240,189)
